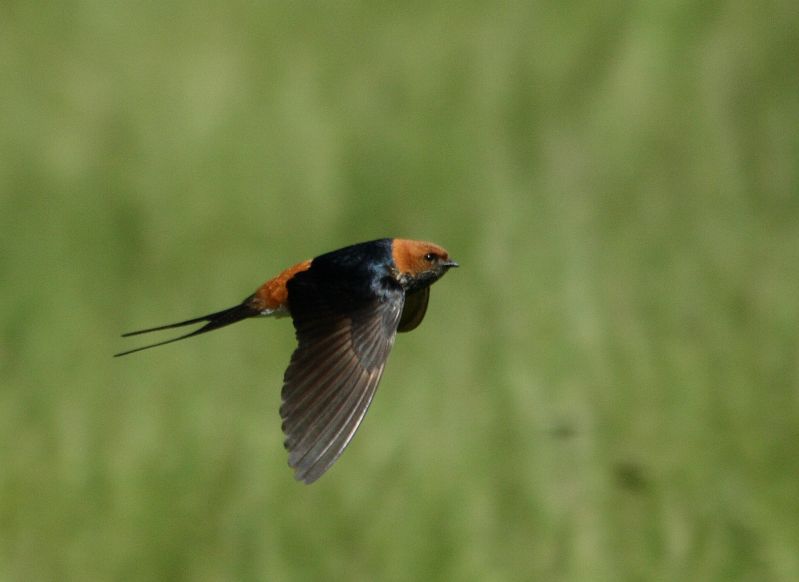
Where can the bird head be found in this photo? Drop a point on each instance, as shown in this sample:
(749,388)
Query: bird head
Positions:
(419,264)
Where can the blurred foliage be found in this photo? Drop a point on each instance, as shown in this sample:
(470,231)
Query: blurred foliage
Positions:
(606,390)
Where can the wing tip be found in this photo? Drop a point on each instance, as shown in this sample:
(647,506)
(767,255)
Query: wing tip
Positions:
(310,474)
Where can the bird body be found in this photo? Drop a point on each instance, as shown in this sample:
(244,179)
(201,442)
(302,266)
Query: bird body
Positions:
(346,306)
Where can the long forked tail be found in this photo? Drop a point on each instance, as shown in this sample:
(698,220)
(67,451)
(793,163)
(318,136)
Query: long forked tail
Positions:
(215,321)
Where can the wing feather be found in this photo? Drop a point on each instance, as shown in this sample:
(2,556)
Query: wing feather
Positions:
(334,372)
(339,431)
(414,309)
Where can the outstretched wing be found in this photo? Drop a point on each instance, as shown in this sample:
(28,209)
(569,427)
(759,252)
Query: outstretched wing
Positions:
(414,309)
(333,373)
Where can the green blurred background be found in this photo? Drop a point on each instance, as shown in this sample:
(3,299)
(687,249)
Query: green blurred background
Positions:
(606,390)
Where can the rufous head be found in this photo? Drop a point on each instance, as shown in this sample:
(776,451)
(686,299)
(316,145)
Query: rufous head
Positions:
(419,264)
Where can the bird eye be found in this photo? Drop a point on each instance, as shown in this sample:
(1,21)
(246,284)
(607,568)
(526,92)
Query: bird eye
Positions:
(430,257)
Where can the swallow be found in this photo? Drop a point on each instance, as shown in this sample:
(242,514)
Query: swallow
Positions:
(347,307)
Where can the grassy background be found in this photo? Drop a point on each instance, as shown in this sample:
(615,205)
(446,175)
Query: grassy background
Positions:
(606,390)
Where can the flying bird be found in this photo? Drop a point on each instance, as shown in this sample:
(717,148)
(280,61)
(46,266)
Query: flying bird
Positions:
(347,307)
